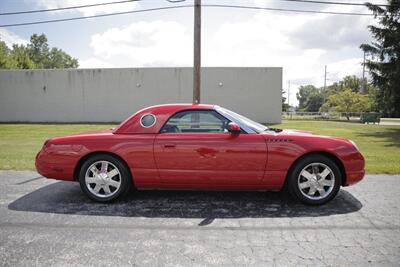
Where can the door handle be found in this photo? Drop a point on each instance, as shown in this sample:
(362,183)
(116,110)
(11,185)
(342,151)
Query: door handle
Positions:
(169,145)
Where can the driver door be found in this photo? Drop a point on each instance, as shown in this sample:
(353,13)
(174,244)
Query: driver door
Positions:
(195,149)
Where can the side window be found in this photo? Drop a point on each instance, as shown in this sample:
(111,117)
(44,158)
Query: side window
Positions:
(147,120)
(196,121)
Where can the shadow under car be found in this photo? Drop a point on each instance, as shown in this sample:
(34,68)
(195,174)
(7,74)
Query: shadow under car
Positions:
(67,198)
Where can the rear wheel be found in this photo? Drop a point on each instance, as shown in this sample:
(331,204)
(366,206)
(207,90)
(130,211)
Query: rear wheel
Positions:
(104,178)
(315,180)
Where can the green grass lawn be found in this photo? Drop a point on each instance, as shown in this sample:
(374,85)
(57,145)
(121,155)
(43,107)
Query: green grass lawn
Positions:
(380,144)
(19,143)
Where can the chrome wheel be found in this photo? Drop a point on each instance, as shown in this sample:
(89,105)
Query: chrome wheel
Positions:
(316,181)
(103,179)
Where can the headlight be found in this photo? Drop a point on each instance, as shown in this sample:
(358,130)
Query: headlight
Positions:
(354,144)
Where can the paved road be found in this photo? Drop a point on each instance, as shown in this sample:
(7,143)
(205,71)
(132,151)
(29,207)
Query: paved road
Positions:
(390,123)
(50,223)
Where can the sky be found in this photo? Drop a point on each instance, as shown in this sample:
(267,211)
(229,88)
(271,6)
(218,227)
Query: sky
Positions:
(302,44)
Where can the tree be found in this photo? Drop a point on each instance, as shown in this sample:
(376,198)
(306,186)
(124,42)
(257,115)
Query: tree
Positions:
(384,66)
(59,59)
(35,55)
(285,106)
(303,94)
(348,101)
(352,82)
(21,57)
(310,98)
(38,50)
(314,101)
(6,60)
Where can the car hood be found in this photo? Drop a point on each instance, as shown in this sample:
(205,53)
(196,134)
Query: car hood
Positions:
(295,132)
(303,133)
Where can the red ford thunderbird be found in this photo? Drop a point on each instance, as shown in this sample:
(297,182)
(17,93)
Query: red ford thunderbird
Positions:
(201,147)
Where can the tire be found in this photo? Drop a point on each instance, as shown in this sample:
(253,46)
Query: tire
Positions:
(314,180)
(104,178)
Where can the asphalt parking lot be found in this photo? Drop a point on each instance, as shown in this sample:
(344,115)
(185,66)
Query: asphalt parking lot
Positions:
(46,222)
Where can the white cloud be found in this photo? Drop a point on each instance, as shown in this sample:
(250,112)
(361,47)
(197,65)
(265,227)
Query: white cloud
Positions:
(300,43)
(92,63)
(339,69)
(265,40)
(87,11)
(330,32)
(11,38)
(144,43)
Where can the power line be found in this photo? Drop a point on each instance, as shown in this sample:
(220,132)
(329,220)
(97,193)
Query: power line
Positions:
(174,1)
(291,10)
(66,8)
(186,6)
(94,16)
(333,3)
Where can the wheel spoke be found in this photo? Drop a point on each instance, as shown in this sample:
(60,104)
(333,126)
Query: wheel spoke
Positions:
(325,173)
(312,191)
(113,183)
(306,174)
(91,180)
(104,166)
(112,173)
(97,188)
(321,191)
(304,185)
(107,189)
(326,182)
(94,170)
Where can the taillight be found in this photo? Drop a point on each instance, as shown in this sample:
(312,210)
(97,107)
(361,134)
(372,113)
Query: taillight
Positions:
(46,145)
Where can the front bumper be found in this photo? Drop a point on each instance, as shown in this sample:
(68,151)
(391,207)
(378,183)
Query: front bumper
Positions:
(355,168)
(354,177)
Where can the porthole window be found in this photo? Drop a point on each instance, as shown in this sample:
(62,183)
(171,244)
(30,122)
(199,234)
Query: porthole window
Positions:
(147,120)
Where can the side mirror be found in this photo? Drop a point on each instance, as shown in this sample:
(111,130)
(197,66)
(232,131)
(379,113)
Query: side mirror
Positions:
(234,128)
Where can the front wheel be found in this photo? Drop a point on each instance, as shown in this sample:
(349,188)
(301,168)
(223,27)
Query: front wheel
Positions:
(104,178)
(315,180)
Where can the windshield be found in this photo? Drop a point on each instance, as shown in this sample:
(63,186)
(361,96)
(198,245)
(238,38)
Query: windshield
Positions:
(255,126)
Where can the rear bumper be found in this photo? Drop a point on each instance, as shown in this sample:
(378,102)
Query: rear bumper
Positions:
(53,166)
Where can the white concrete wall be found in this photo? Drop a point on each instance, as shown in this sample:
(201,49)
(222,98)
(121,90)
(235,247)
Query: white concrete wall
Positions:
(106,95)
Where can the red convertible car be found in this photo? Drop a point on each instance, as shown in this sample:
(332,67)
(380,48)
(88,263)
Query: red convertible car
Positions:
(201,147)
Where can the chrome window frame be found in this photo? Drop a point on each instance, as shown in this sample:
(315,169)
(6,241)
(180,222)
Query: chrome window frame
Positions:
(196,110)
(244,127)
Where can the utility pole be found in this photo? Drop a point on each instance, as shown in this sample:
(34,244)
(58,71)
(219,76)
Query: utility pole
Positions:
(364,82)
(324,92)
(325,80)
(288,94)
(288,99)
(197,52)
